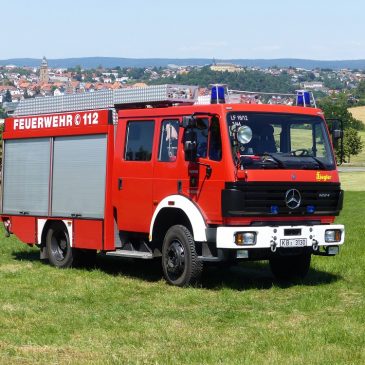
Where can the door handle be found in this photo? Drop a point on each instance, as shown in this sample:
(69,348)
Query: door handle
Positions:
(120,183)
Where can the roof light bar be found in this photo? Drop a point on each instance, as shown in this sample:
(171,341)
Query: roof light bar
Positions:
(217,94)
(300,98)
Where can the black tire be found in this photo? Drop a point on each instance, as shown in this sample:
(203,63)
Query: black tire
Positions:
(287,268)
(58,246)
(180,263)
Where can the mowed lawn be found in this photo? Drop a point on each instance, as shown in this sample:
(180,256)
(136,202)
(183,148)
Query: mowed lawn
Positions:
(122,312)
(358,112)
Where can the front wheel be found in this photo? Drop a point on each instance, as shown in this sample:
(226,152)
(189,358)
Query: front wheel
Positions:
(180,262)
(287,268)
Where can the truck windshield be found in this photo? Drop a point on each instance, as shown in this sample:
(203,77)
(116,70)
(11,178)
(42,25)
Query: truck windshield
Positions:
(270,140)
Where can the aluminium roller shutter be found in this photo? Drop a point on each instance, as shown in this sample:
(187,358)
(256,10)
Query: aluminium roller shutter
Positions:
(26,176)
(79,169)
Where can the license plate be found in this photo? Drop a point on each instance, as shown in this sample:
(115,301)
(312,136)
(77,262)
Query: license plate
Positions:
(293,242)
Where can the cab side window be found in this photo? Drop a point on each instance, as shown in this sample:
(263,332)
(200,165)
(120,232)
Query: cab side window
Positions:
(215,143)
(202,137)
(139,141)
(168,141)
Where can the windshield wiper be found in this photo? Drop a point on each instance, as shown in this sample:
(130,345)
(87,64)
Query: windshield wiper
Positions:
(320,163)
(279,162)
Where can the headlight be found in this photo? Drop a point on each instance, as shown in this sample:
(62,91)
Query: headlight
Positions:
(245,238)
(244,134)
(332,235)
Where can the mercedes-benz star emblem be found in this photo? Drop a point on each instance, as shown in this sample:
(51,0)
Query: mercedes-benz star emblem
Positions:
(292,198)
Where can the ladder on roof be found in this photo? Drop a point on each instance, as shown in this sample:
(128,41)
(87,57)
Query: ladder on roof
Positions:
(300,98)
(109,99)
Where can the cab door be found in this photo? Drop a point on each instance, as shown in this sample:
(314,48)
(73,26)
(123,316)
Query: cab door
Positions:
(206,176)
(133,175)
(166,181)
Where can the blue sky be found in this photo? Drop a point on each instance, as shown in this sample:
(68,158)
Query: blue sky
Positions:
(320,29)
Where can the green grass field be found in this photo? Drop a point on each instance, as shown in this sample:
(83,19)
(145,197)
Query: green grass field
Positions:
(353,181)
(123,312)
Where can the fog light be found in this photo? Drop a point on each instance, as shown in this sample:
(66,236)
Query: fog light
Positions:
(332,235)
(332,250)
(245,238)
(242,254)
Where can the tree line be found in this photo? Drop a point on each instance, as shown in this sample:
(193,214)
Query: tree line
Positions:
(244,80)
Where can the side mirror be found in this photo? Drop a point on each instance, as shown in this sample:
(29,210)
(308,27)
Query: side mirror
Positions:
(190,144)
(336,131)
(337,136)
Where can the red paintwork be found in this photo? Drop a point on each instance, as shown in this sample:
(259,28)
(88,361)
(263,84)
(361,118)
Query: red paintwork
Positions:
(91,234)
(25,228)
(88,234)
(108,237)
(134,201)
(292,175)
(13,125)
(146,183)
(246,221)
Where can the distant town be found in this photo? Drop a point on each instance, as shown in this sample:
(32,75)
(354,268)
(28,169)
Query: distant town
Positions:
(17,83)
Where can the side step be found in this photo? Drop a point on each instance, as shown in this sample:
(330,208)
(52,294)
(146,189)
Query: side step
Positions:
(131,254)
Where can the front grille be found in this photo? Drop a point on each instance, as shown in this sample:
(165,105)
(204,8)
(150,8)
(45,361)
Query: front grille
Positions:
(268,199)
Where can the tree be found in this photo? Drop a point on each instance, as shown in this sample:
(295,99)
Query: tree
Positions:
(352,143)
(2,113)
(338,109)
(7,98)
(360,91)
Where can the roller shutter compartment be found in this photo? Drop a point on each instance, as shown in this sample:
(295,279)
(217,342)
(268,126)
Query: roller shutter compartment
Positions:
(26,176)
(79,170)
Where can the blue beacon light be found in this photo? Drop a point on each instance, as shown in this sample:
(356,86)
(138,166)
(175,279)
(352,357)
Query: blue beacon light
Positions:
(217,95)
(303,98)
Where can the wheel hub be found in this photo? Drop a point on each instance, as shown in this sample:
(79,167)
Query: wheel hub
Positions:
(59,246)
(175,258)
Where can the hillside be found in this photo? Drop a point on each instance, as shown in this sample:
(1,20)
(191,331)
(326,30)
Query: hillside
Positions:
(93,62)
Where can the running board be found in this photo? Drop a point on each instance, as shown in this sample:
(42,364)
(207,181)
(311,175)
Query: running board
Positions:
(131,254)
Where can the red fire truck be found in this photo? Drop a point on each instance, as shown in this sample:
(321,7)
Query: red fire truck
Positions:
(149,173)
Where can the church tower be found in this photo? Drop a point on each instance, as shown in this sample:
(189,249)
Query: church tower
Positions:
(43,72)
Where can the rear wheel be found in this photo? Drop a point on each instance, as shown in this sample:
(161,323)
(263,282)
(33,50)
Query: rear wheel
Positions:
(287,268)
(58,246)
(180,262)
(61,254)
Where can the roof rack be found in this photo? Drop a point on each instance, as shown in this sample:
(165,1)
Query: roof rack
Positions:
(300,98)
(109,99)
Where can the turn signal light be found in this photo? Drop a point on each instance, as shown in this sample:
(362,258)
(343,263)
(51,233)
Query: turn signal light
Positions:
(332,235)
